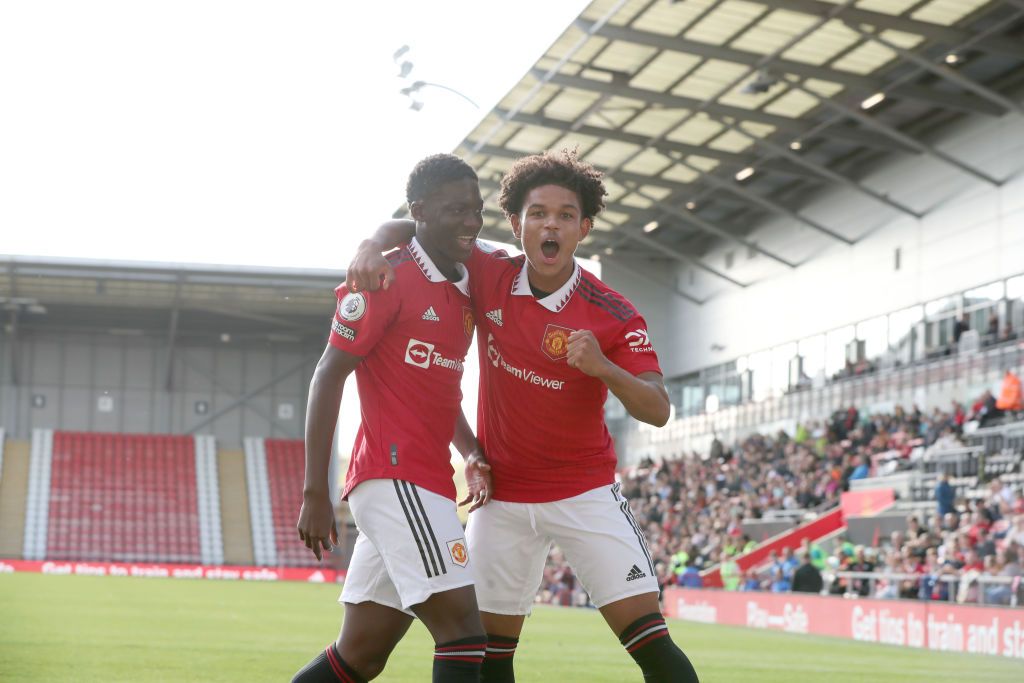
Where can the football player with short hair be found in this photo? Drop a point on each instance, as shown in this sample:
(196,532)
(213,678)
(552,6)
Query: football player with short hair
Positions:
(406,346)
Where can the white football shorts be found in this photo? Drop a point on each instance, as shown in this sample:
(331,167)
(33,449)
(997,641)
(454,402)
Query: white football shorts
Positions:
(602,542)
(411,545)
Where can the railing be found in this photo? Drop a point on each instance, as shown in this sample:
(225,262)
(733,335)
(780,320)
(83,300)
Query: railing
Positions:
(957,587)
(958,376)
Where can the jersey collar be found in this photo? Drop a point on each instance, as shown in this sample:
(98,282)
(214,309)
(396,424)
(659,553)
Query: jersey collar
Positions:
(431,272)
(555,301)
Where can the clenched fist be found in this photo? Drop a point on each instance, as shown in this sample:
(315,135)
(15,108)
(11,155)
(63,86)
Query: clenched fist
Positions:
(585,354)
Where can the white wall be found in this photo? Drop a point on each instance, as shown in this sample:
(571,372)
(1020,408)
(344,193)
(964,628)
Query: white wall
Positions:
(972,233)
(71,372)
(638,282)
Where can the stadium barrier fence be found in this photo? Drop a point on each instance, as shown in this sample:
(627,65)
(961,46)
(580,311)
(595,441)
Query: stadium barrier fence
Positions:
(151,570)
(931,625)
(886,387)
(956,586)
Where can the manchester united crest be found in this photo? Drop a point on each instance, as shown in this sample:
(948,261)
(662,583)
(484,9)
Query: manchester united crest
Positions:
(457,549)
(468,322)
(556,342)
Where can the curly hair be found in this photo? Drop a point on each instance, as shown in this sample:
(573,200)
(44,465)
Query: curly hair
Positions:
(434,171)
(553,168)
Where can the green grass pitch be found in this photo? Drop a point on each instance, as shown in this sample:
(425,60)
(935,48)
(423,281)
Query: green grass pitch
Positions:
(77,628)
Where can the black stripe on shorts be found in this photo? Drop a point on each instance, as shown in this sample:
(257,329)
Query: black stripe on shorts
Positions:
(423,525)
(430,529)
(412,527)
(624,508)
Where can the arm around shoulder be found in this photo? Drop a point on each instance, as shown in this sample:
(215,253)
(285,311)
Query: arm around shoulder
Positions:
(369,270)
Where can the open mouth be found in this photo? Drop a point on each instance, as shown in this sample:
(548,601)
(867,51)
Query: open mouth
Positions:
(466,241)
(549,248)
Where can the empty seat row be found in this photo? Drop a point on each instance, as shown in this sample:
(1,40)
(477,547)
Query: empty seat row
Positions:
(123,497)
(285,473)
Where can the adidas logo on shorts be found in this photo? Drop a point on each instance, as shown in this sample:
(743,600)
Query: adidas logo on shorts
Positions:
(635,574)
(431,315)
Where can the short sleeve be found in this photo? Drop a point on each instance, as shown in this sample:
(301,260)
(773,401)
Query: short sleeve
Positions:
(632,350)
(360,319)
(485,266)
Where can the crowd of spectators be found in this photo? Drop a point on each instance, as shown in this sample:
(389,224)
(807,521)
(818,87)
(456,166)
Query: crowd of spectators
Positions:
(942,559)
(692,509)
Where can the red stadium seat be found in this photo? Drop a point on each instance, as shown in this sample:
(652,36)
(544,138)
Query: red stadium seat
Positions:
(285,472)
(123,497)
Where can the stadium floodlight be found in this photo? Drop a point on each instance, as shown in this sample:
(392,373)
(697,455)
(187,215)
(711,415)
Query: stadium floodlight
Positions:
(745,173)
(796,145)
(405,66)
(417,86)
(873,101)
(609,251)
(651,227)
(953,58)
(691,205)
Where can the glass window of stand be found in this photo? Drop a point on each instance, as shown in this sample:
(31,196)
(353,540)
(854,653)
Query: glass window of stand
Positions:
(812,350)
(835,350)
(941,316)
(875,335)
(1013,326)
(903,333)
(981,304)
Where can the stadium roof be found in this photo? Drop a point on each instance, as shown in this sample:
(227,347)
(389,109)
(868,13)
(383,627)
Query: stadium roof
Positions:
(178,302)
(710,116)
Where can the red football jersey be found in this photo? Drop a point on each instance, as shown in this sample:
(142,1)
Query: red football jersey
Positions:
(413,338)
(540,422)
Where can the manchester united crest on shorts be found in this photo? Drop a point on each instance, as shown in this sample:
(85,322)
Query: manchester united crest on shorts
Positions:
(468,322)
(457,549)
(556,342)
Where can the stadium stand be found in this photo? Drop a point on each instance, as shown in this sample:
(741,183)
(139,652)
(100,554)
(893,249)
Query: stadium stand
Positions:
(698,511)
(211,542)
(285,469)
(13,493)
(274,474)
(123,497)
(37,501)
(704,511)
(85,496)
(258,487)
(234,507)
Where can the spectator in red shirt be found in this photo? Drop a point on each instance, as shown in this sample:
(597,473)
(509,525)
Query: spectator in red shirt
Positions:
(978,521)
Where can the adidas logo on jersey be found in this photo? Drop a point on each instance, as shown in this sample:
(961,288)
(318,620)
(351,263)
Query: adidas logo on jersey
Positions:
(431,315)
(635,574)
(495,317)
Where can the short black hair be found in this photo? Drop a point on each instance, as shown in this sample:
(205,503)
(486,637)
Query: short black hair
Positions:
(562,168)
(433,172)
